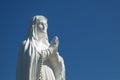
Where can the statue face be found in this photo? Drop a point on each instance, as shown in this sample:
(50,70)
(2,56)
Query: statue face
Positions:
(41,23)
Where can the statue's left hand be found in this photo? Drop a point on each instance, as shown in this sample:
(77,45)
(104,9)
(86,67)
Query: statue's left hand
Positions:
(54,43)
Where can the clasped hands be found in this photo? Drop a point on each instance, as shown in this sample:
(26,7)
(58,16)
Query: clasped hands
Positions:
(53,48)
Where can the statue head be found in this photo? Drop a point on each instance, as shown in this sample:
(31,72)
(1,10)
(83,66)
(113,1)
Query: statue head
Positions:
(38,27)
(40,22)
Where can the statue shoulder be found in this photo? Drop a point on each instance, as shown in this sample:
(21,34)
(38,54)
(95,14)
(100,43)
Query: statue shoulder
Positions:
(25,43)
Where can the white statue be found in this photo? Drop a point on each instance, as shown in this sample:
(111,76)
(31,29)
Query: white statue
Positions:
(38,59)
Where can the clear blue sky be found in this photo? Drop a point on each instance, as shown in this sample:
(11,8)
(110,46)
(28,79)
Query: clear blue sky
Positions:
(89,33)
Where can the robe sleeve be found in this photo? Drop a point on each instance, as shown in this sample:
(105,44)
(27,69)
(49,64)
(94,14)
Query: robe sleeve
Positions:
(46,53)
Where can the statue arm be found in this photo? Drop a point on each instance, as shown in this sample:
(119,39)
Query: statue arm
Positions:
(52,48)
(46,53)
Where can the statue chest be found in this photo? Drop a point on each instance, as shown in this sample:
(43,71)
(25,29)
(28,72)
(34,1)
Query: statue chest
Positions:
(40,45)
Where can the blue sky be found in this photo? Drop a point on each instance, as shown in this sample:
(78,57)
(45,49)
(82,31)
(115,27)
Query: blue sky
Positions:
(89,33)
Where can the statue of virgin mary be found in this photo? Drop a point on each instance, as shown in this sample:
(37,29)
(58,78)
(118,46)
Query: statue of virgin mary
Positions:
(38,59)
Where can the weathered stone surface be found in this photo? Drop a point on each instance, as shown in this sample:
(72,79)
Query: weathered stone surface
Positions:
(38,59)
